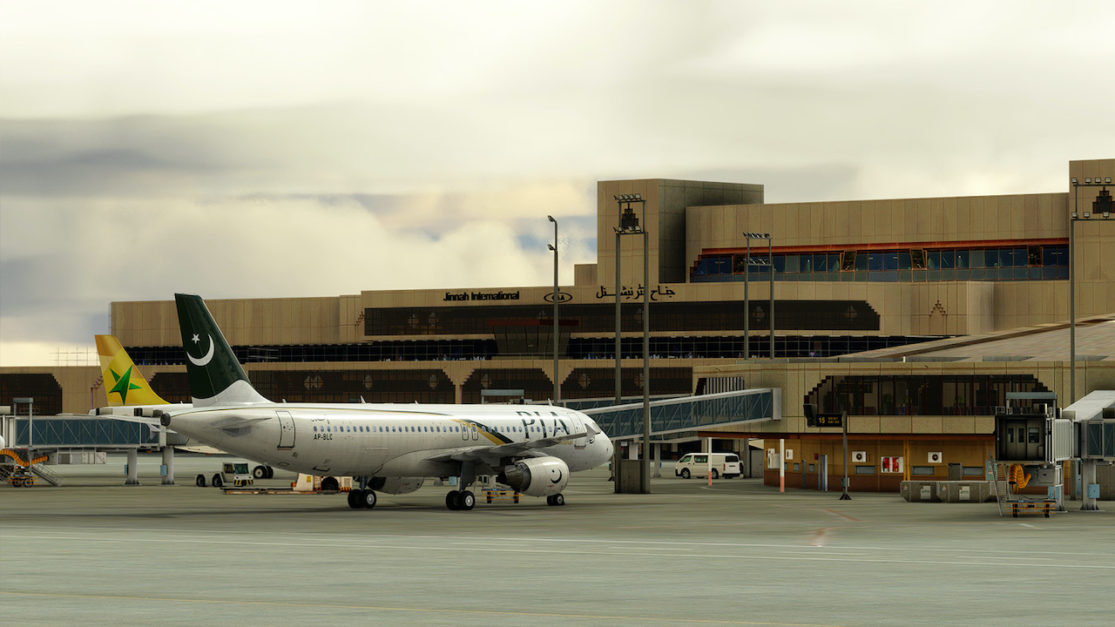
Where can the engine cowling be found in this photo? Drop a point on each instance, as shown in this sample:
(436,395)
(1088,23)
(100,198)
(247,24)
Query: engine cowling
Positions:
(536,476)
(396,485)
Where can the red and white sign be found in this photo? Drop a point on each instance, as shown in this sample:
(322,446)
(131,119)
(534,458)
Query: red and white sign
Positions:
(891,464)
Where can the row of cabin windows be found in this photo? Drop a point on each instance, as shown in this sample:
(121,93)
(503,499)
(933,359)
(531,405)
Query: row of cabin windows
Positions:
(413,429)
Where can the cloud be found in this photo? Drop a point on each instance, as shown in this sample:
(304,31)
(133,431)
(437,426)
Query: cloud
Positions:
(64,260)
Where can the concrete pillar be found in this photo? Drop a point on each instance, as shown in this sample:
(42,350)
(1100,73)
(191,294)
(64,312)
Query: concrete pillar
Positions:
(706,445)
(657,448)
(167,470)
(132,468)
(1088,477)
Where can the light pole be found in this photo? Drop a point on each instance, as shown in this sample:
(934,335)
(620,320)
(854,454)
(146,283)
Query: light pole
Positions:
(554,247)
(746,297)
(629,225)
(1101,205)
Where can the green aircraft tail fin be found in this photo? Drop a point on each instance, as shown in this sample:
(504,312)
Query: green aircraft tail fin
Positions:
(215,375)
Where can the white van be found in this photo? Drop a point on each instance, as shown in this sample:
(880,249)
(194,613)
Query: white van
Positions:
(697,465)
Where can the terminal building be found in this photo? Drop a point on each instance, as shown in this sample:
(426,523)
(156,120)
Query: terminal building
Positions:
(915,316)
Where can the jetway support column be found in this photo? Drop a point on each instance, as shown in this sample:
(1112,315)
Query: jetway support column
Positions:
(132,467)
(657,460)
(1088,479)
(167,470)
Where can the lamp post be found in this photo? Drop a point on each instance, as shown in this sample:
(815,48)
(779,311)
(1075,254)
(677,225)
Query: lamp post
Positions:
(554,247)
(746,297)
(1101,205)
(629,225)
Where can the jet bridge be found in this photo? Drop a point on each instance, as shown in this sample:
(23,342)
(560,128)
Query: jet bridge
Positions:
(1094,419)
(67,438)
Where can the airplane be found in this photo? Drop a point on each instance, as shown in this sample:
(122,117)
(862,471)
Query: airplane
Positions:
(389,447)
(129,394)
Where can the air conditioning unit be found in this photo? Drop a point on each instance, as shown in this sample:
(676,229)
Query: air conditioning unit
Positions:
(935,457)
(859,457)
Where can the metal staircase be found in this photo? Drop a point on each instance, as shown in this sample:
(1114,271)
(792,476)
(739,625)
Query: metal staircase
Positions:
(46,474)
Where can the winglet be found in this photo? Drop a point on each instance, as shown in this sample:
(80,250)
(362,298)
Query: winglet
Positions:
(215,375)
(123,383)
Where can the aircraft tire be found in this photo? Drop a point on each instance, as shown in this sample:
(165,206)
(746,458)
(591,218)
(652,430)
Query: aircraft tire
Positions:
(368,498)
(453,500)
(467,500)
(217,481)
(270,472)
(356,499)
(556,500)
(259,472)
(199,481)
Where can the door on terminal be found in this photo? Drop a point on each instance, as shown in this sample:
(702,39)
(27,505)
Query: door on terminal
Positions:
(286,429)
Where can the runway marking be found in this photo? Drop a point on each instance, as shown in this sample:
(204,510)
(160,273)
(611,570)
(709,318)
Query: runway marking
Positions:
(569,551)
(818,538)
(843,515)
(383,608)
(162,535)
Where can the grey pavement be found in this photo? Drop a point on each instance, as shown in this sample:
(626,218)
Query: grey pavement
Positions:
(96,552)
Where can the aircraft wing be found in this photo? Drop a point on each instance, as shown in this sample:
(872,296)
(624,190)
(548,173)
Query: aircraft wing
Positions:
(492,454)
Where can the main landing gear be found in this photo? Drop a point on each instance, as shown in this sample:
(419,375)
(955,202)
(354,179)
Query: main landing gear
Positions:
(361,499)
(460,500)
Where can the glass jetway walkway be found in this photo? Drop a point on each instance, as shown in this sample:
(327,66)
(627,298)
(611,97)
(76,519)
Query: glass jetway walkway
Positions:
(690,413)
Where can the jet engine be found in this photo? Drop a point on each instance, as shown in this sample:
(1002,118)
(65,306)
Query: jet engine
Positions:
(396,485)
(536,476)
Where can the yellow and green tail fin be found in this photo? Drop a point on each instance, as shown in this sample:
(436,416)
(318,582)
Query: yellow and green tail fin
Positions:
(123,383)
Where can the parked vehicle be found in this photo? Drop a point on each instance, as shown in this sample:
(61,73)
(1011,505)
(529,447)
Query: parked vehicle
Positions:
(697,465)
(233,474)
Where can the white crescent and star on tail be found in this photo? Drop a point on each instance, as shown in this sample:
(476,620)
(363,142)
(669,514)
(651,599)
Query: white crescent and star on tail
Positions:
(204,359)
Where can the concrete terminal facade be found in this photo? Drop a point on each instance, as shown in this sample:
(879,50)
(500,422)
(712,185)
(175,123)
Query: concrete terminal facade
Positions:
(848,277)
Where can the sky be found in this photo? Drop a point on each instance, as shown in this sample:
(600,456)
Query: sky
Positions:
(284,149)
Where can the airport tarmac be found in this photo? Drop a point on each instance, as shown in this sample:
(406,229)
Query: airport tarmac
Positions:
(96,552)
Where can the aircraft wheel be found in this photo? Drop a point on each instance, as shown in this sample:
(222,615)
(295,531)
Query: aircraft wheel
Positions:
(467,500)
(270,472)
(684,473)
(556,500)
(199,481)
(453,500)
(259,472)
(217,481)
(355,499)
(368,497)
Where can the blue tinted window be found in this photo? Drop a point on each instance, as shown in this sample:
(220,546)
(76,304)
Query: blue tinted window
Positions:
(820,263)
(890,260)
(933,259)
(862,261)
(780,263)
(948,259)
(961,259)
(1055,256)
(792,263)
(976,260)
(903,260)
(806,263)
(992,257)
(833,261)
(1018,256)
(875,261)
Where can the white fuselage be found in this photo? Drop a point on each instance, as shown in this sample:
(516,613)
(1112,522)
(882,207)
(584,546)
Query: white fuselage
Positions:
(389,440)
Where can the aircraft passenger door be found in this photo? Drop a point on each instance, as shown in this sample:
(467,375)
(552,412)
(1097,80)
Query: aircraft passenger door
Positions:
(464,431)
(578,426)
(286,429)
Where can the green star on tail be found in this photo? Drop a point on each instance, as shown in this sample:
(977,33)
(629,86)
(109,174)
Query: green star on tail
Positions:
(123,384)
